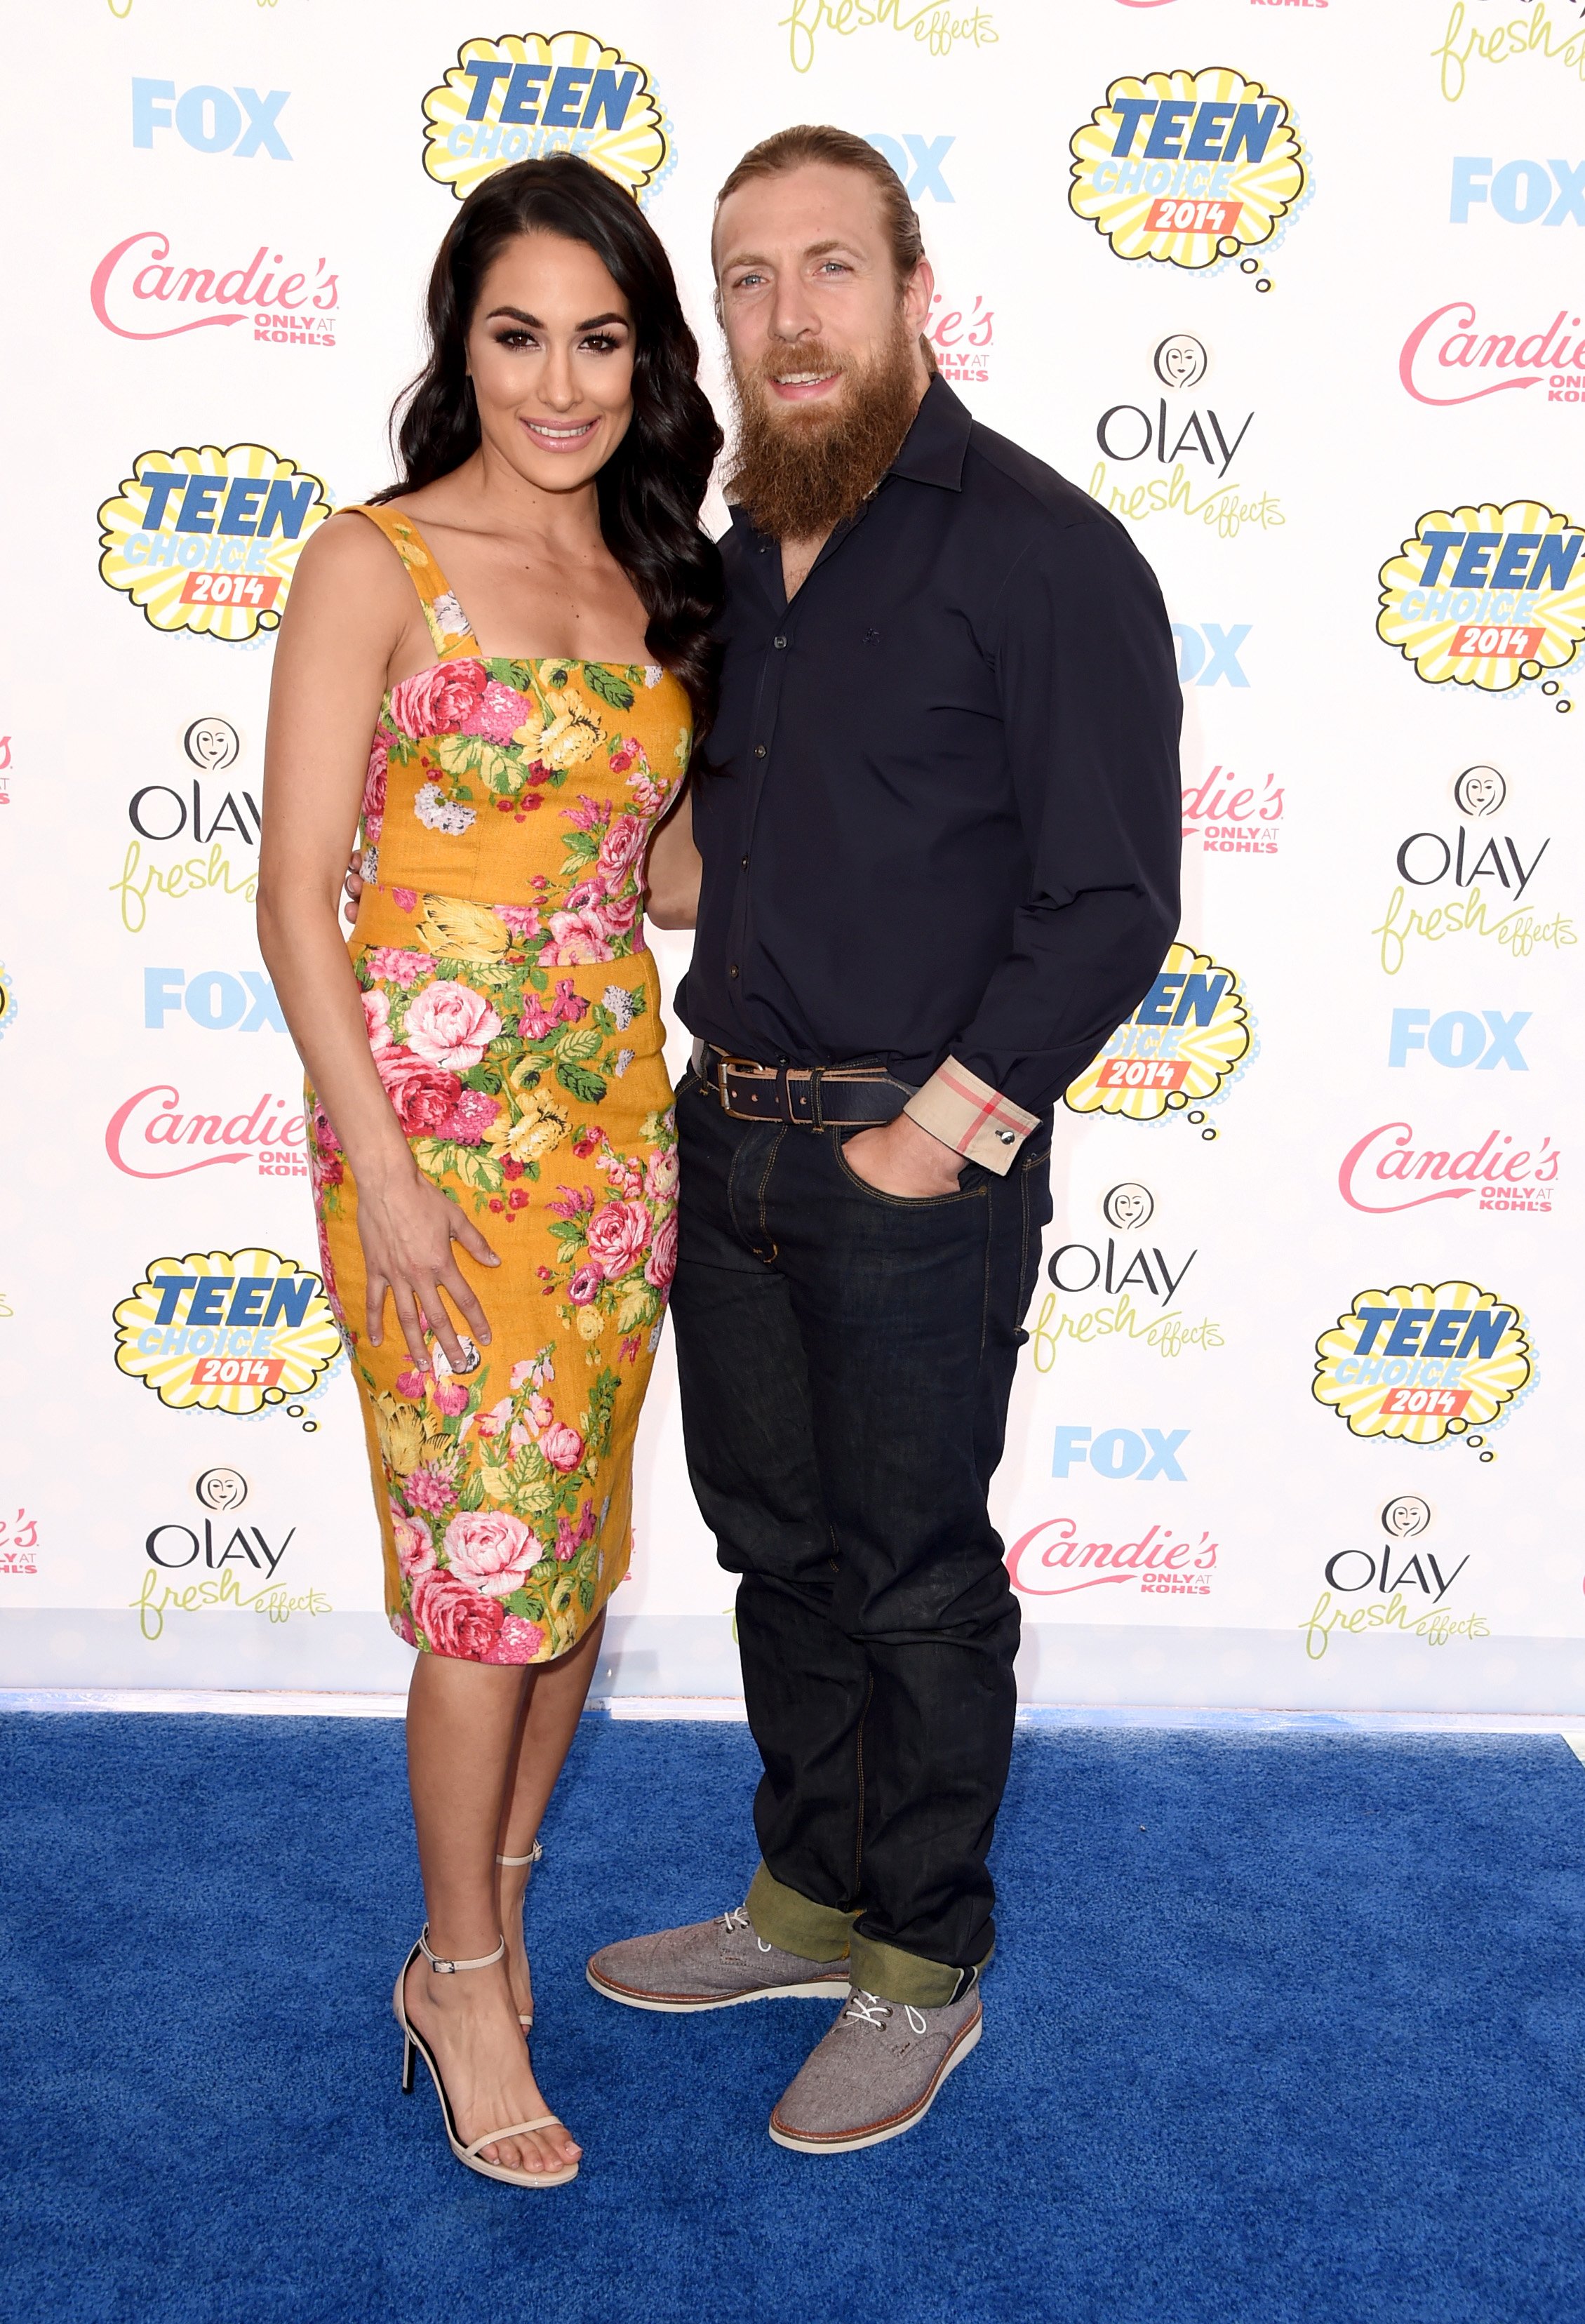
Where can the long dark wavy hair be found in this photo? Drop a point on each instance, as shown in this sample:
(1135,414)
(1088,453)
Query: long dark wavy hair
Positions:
(651,488)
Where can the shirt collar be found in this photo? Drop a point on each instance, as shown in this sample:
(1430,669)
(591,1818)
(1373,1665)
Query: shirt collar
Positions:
(933,449)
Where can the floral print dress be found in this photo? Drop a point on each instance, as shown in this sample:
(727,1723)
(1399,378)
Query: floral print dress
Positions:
(513,1015)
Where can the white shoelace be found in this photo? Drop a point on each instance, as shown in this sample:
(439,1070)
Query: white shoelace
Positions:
(868,2009)
(738,1920)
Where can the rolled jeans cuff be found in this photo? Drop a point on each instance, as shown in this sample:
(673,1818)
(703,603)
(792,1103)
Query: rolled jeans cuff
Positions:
(893,1975)
(782,1917)
(823,1933)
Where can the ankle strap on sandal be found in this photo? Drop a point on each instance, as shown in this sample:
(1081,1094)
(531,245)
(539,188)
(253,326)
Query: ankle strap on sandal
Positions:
(449,1968)
(533,1855)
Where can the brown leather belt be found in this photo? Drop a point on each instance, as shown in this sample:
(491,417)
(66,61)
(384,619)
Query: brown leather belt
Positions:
(815,1097)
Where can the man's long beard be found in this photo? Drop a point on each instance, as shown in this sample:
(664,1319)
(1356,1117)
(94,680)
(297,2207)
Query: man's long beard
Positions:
(799,471)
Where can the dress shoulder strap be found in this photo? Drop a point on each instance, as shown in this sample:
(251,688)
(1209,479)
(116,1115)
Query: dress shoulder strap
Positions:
(449,627)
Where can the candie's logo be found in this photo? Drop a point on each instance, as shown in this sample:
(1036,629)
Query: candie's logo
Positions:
(1182,1045)
(1424,1363)
(207,540)
(1161,1565)
(1187,167)
(151,1135)
(1385,1169)
(961,338)
(1486,596)
(533,93)
(227,1330)
(140,292)
(1446,359)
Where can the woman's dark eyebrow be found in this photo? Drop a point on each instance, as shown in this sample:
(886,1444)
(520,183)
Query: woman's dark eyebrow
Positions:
(518,315)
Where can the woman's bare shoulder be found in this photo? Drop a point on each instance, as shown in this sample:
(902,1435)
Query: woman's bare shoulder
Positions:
(349,574)
(348,548)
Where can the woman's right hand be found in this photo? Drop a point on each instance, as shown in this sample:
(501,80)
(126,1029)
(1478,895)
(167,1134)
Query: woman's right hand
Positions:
(407,1230)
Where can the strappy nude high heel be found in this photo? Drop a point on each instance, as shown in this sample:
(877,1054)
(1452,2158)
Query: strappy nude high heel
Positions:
(525,2018)
(412,2041)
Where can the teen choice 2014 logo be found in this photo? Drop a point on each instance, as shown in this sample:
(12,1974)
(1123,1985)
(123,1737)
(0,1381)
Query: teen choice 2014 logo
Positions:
(1182,1045)
(1423,1361)
(1187,167)
(533,93)
(227,1330)
(1486,596)
(207,540)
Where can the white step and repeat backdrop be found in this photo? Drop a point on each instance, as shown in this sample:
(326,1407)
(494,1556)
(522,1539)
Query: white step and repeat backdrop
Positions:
(1289,284)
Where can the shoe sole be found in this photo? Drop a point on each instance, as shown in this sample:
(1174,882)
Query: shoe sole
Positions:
(955,2056)
(678,2005)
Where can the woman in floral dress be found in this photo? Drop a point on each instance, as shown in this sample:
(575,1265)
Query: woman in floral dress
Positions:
(494,1153)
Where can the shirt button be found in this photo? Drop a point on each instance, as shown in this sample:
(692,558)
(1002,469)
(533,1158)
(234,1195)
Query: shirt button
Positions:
(758,749)
(1006,1136)
(745,863)
(779,643)
(733,970)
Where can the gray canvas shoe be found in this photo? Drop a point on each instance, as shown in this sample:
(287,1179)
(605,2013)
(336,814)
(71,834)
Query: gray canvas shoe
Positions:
(709,1965)
(876,2073)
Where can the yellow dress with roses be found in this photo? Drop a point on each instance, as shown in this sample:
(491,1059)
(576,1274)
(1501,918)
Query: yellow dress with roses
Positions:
(514,1014)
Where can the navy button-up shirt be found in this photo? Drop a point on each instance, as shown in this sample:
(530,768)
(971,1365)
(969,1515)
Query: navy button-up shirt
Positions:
(939,812)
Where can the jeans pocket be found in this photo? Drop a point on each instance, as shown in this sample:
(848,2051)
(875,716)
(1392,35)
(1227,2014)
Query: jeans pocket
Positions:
(971,1172)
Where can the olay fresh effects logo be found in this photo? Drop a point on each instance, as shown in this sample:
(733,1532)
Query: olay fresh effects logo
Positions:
(1447,357)
(209,815)
(224,1331)
(1392,1168)
(219,1562)
(154,1134)
(1486,596)
(1412,1580)
(209,119)
(1424,1363)
(1168,452)
(205,539)
(1230,817)
(140,292)
(1471,880)
(1187,167)
(529,94)
(1140,1282)
(1183,1046)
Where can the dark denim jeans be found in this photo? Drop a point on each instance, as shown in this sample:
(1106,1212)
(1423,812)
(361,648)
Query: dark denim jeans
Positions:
(846,1359)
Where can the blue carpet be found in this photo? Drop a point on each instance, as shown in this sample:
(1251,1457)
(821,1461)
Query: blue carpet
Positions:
(1282,2028)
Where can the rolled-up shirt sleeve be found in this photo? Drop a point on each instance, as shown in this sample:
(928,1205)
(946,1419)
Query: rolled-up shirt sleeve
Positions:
(1092,709)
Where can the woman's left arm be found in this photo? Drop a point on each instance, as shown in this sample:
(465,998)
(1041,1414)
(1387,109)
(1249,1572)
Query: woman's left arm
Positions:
(673,871)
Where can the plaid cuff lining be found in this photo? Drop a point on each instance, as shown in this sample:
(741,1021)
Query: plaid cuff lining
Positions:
(971,1116)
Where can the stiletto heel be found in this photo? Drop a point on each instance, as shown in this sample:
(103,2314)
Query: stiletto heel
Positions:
(525,2018)
(468,2154)
(407,2066)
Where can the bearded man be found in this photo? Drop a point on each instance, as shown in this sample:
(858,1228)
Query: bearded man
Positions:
(939,833)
